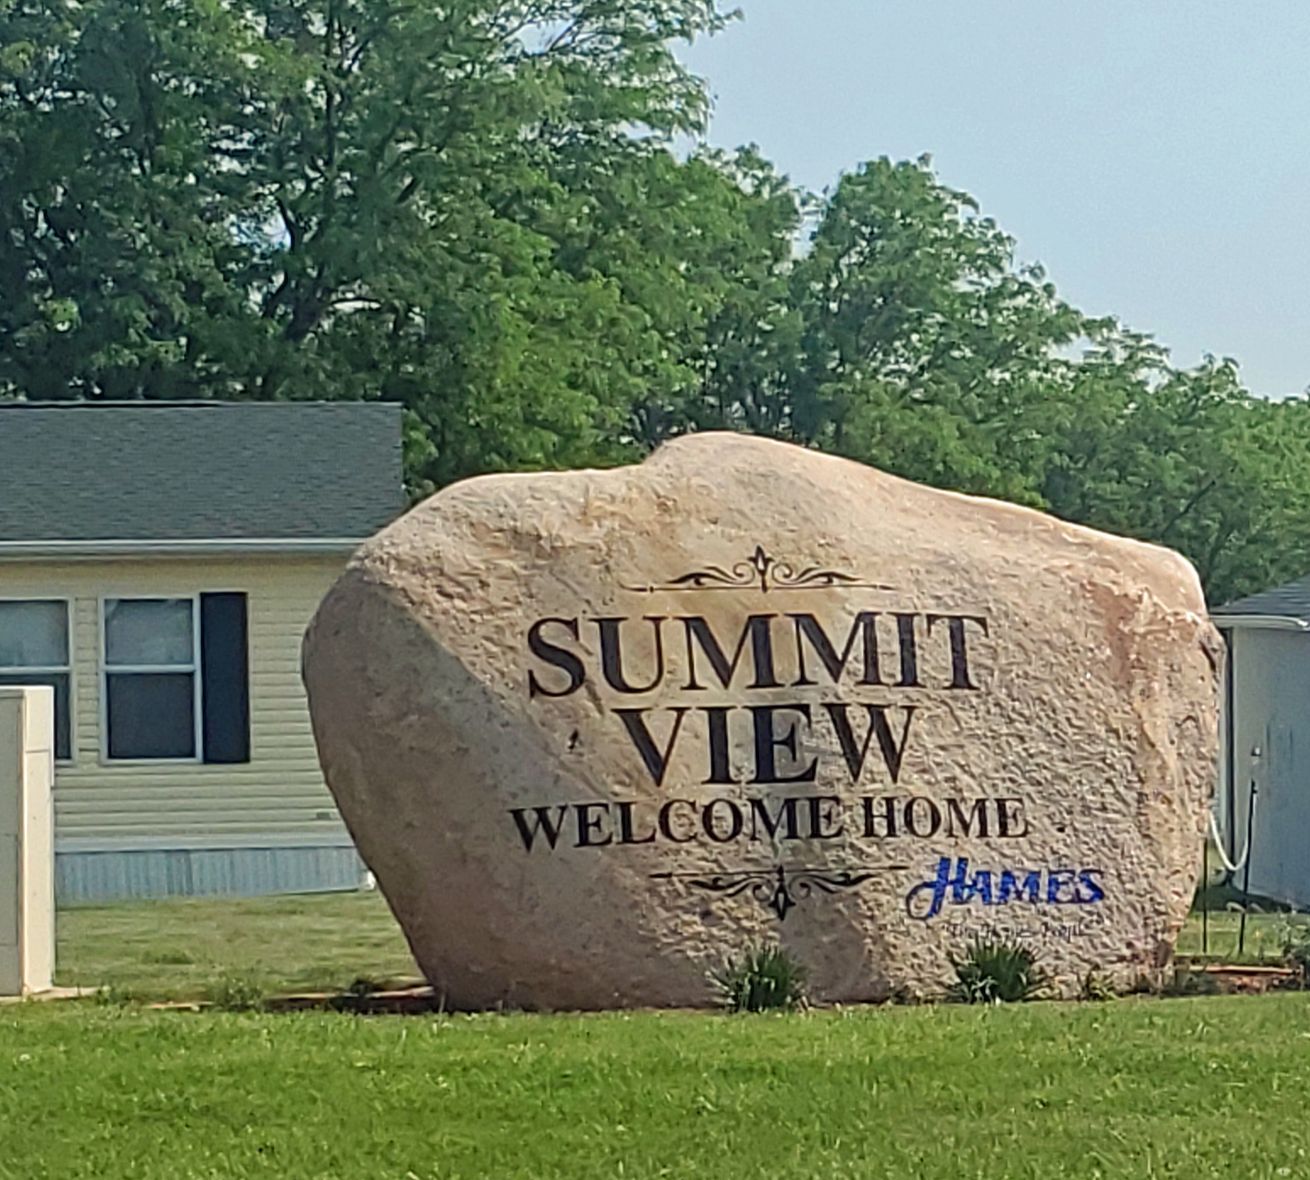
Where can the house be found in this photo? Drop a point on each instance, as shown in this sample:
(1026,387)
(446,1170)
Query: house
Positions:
(1264,768)
(159,563)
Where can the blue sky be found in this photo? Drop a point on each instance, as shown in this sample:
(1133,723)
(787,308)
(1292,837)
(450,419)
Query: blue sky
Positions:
(1154,155)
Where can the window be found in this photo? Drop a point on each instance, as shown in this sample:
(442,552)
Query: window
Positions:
(150,677)
(34,650)
(176,678)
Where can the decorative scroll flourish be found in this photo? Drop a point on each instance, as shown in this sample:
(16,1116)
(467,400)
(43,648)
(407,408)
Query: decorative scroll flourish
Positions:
(763,571)
(780,889)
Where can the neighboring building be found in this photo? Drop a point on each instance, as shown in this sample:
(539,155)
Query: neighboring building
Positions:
(1265,740)
(159,562)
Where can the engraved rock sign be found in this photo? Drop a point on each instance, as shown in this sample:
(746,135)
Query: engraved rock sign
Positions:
(596,732)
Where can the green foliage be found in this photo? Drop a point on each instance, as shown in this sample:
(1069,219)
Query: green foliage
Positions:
(469,208)
(1189,981)
(236,992)
(362,986)
(1296,951)
(925,348)
(764,979)
(996,971)
(1096,988)
(113,996)
(476,210)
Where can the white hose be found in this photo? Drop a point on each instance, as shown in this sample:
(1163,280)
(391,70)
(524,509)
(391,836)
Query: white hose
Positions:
(1219,845)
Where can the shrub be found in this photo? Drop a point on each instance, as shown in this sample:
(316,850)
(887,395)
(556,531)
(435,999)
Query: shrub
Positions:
(1296,951)
(113,996)
(1189,981)
(236,993)
(994,971)
(1096,987)
(764,978)
(363,987)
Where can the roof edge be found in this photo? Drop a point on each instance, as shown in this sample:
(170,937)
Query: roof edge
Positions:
(126,550)
(1266,622)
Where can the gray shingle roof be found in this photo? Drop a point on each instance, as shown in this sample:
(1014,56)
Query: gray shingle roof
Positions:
(1291,601)
(214,471)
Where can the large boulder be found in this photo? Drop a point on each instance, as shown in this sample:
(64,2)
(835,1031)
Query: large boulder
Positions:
(597,732)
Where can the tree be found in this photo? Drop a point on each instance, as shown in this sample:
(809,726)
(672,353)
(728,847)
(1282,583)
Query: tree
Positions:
(468,207)
(474,208)
(1188,459)
(927,350)
(908,336)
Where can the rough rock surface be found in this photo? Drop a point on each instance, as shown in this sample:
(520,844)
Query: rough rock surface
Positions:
(597,732)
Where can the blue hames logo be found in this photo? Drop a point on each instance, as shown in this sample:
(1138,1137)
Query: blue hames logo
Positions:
(954,885)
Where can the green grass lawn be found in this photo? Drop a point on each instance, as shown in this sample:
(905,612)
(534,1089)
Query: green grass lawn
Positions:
(180,949)
(1132,1088)
(1206,1087)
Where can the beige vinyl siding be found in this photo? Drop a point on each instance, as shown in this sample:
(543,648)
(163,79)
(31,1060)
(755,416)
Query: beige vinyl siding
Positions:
(278,797)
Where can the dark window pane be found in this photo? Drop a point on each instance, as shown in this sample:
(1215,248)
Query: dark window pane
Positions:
(63,706)
(151,715)
(224,684)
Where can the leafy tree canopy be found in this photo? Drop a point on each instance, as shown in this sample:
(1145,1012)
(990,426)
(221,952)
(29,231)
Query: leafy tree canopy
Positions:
(477,208)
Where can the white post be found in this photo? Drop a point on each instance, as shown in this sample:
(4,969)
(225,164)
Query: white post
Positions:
(27,852)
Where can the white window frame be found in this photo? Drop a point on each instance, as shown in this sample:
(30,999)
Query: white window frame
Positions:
(197,714)
(67,604)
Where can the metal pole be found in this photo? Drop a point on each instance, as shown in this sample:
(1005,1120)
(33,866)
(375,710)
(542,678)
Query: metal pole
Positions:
(1205,895)
(1246,869)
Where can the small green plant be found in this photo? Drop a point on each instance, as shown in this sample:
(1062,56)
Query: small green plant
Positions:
(995,971)
(236,993)
(1296,951)
(1189,981)
(764,978)
(907,996)
(363,987)
(1147,984)
(1096,987)
(112,996)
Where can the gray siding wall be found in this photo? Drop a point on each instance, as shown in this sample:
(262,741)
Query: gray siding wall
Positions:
(1271,712)
(82,877)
